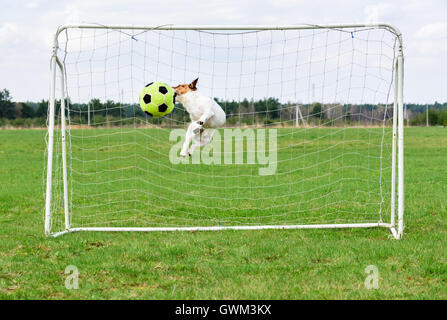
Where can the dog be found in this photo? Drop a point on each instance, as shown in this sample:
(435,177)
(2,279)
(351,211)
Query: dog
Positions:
(205,113)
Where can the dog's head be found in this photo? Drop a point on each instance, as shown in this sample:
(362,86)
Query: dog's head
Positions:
(181,89)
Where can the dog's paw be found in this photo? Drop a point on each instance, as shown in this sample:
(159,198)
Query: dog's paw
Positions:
(183,154)
(197,127)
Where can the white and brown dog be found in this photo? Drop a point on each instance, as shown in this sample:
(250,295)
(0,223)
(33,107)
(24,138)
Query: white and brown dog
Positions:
(206,116)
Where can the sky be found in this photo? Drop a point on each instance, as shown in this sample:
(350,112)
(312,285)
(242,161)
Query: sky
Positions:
(27,28)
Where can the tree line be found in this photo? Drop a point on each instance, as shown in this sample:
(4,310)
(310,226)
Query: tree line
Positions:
(265,111)
(435,117)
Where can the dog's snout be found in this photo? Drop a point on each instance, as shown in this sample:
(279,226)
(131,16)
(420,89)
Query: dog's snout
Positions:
(181,89)
(176,89)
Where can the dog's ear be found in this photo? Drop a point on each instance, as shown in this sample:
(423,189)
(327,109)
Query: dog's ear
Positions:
(193,85)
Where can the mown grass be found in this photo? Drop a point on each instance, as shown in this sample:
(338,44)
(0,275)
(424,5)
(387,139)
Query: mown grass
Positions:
(125,177)
(271,264)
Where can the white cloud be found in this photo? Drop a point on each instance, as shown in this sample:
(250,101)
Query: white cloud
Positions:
(8,34)
(286,3)
(431,41)
(377,12)
(436,30)
(72,15)
(32,5)
(417,6)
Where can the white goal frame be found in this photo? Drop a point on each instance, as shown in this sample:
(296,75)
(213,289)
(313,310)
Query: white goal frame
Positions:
(396,225)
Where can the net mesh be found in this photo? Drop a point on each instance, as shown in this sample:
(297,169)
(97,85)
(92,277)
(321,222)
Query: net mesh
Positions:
(324,95)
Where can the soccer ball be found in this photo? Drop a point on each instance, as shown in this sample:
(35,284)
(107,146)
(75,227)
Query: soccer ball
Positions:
(157,99)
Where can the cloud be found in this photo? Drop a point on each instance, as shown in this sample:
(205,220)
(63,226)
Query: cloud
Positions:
(8,34)
(436,30)
(286,3)
(72,15)
(431,40)
(377,12)
(32,5)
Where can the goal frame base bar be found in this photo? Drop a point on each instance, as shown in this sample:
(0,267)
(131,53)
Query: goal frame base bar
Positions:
(218,228)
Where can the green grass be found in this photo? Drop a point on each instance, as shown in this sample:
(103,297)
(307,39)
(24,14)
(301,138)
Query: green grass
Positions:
(270,264)
(324,175)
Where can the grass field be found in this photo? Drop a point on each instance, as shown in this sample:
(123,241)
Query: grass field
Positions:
(270,264)
(125,177)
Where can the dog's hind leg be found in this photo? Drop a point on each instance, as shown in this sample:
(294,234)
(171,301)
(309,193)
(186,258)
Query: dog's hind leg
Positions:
(188,138)
(202,139)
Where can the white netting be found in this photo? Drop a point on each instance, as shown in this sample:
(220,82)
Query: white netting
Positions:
(326,92)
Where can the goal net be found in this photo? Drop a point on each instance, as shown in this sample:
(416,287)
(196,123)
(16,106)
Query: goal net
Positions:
(313,135)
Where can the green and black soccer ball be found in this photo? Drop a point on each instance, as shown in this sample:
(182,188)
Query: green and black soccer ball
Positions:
(157,99)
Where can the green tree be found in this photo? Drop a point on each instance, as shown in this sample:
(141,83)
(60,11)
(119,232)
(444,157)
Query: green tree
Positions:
(42,109)
(433,117)
(271,106)
(113,109)
(27,111)
(96,106)
(317,111)
(7,108)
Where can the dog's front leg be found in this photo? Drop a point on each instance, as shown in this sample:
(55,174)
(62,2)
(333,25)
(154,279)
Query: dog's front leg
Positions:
(188,139)
(201,122)
(206,115)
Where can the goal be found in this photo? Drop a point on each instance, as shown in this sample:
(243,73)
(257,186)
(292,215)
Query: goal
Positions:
(313,136)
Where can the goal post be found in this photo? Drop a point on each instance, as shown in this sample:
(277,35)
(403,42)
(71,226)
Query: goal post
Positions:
(321,106)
